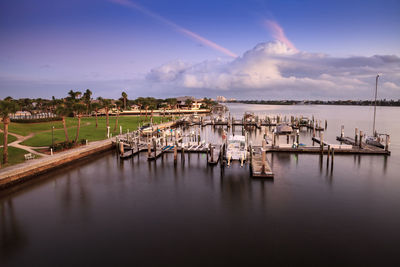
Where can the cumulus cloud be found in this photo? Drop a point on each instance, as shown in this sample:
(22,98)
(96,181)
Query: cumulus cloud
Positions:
(276,69)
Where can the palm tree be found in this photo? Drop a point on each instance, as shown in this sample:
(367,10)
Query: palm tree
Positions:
(63,110)
(189,103)
(87,98)
(106,104)
(125,97)
(119,105)
(95,107)
(78,109)
(6,107)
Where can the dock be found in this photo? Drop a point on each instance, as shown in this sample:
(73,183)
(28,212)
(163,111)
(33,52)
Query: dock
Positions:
(259,165)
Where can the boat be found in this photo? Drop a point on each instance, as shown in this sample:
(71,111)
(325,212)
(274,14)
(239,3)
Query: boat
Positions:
(283,128)
(236,149)
(374,141)
(249,117)
(147,128)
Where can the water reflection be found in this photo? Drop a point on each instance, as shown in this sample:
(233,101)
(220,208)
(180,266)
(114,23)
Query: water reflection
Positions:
(12,236)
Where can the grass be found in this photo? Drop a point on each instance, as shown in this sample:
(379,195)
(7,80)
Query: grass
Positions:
(88,129)
(10,139)
(15,156)
(27,128)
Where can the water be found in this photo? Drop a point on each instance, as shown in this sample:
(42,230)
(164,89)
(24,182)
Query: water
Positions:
(106,212)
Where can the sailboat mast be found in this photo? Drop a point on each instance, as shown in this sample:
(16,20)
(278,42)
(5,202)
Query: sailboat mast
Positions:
(376,92)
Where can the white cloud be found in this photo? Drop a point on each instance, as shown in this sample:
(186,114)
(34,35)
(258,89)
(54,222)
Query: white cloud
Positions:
(274,69)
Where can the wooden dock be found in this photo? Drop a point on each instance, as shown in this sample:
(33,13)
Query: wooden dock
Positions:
(259,165)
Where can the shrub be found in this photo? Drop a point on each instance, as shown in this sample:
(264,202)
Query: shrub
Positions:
(36,120)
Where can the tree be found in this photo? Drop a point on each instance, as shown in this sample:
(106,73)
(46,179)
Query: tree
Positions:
(78,109)
(63,110)
(125,97)
(95,107)
(189,103)
(118,105)
(106,104)
(73,96)
(87,98)
(6,107)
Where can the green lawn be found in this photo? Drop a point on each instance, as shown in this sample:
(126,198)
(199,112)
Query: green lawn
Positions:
(10,139)
(15,156)
(89,132)
(27,128)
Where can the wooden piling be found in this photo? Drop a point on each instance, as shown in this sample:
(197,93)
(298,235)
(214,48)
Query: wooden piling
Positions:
(361,137)
(176,152)
(387,141)
(263,144)
(322,143)
(148,150)
(263,159)
(355,135)
(342,131)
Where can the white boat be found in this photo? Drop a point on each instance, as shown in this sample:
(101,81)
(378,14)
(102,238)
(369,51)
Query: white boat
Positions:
(374,141)
(236,149)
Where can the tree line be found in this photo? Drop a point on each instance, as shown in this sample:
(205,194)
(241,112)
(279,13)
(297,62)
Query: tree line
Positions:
(77,104)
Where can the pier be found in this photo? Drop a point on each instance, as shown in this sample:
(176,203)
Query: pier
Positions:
(183,136)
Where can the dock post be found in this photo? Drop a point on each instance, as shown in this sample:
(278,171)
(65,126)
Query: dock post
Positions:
(333,155)
(121,148)
(387,141)
(148,150)
(329,151)
(182,154)
(356,136)
(263,144)
(274,138)
(155,148)
(342,132)
(322,142)
(175,152)
(287,139)
(326,124)
(298,137)
(263,161)
(212,153)
(361,137)
(313,129)
(120,129)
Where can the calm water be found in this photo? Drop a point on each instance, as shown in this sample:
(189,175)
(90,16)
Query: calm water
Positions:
(106,212)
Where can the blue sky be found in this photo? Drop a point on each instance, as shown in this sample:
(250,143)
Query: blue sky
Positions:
(169,48)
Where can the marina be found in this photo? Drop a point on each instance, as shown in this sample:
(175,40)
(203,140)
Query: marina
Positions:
(184,136)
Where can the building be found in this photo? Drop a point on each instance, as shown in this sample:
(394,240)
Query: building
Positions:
(183,100)
(221,99)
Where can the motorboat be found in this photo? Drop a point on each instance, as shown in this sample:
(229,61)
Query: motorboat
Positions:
(249,117)
(236,149)
(374,141)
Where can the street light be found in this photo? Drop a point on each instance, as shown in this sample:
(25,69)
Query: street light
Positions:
(52,137)
(376,92)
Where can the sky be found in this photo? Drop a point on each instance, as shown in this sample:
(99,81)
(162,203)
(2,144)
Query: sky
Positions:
(251,49)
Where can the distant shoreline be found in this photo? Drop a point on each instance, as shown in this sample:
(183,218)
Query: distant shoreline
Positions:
(385,103)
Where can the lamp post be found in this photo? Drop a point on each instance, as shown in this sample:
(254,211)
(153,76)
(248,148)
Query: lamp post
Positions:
(376,93)
(52,137)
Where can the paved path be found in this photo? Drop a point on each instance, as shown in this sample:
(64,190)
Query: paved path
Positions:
(32,167)
(30,149)
(20,139)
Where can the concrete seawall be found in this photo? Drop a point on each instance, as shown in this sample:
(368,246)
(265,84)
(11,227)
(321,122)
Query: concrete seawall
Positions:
(20,172)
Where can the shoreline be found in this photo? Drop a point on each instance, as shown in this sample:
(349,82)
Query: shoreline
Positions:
(19,173)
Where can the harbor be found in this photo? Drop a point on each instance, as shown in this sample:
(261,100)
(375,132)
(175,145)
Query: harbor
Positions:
(196,134)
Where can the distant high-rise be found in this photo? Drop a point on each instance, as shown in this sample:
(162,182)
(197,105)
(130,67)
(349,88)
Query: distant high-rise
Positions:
(221,99)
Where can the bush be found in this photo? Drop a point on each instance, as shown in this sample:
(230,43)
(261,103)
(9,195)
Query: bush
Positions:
(67,145)
(36,120)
